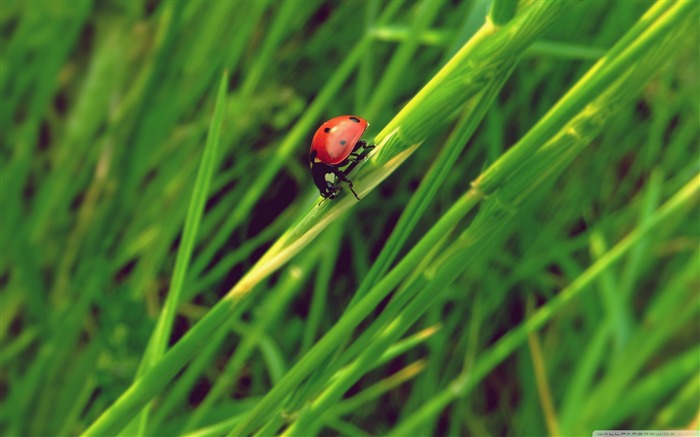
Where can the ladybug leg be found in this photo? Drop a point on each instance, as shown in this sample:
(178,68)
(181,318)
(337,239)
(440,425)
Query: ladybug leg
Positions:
(360,145)
(355,156)
(341,175)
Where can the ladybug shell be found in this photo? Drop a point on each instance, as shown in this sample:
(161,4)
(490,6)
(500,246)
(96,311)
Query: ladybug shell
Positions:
(336,138)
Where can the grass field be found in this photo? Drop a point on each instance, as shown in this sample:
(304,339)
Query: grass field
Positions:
(524,260)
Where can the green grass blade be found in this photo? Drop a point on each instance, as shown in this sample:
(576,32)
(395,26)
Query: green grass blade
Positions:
(683,200)
(161,333)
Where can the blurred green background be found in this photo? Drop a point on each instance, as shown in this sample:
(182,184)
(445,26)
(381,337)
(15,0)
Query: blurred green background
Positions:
(106,108)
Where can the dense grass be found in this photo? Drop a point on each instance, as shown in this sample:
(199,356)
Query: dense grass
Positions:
(524,259)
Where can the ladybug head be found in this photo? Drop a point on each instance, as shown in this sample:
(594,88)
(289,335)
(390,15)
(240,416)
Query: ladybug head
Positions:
(324,178)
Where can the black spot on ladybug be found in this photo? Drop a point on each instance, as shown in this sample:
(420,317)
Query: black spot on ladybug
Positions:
(355,119)
(342,142)
(326,130)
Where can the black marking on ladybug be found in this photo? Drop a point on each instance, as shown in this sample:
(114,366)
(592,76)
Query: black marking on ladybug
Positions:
(342,142)
(355,119)
(326,130)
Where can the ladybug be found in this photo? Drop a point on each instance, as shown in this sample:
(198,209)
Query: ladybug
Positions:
(337,144)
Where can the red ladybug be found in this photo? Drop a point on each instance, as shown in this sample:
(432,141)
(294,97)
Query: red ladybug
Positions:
(337,144)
